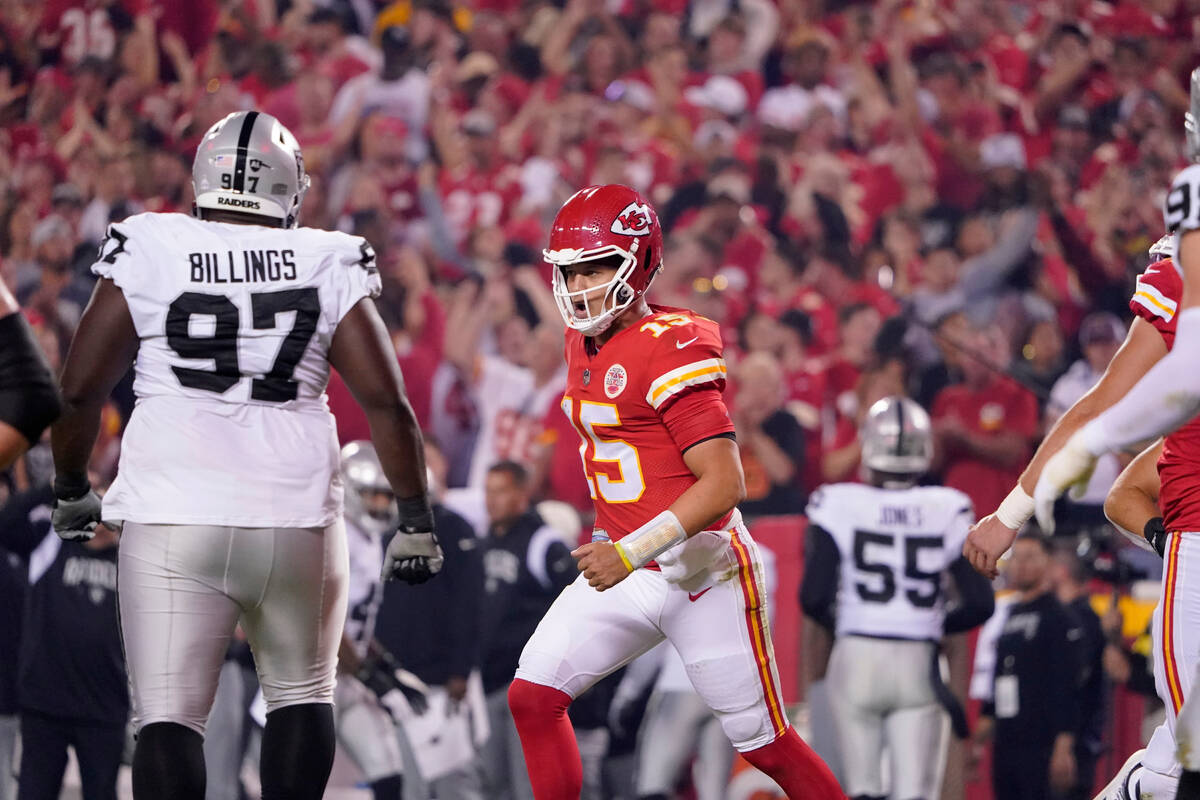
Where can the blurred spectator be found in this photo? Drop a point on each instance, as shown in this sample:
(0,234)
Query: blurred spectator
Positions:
(772,441)
(985,426)
(1100,336)
(399,88)
(1030,727)
(525,566)
(1043,354)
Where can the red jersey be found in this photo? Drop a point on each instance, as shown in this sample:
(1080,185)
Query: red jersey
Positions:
(1001,406)
(1156,299)
(651,392)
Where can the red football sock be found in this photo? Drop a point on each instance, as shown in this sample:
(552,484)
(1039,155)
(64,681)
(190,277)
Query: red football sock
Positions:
(551,753)
(798,770)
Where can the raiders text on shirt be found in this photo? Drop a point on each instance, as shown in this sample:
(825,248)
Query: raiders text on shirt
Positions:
(251,266)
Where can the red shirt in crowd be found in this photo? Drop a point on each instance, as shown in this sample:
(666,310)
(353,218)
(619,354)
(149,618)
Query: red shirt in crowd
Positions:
(1001,406)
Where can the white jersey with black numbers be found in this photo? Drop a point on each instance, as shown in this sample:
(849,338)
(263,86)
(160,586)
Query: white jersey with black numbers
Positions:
(235,322)
(1181,209)
(365,591)
(895,545)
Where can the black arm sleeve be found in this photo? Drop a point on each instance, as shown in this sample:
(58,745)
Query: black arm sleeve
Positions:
(818,591)
(976,599)
(29,399)
(464,574)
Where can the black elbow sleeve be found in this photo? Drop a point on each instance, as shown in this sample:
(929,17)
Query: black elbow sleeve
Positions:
(818,590)
(29,399)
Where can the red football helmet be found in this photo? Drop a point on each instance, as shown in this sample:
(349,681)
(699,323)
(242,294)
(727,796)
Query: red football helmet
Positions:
(602,222)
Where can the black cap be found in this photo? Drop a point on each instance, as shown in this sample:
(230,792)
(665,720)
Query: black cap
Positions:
(395,38)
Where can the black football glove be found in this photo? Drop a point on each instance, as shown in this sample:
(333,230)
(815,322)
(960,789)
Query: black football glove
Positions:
(76,510)
(1156,534)
(413,555)
(381,673)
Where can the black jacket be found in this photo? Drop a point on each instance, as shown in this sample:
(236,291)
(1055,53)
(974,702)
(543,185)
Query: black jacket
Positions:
(1039,649)
(433,628)
(524,570)
(71,665)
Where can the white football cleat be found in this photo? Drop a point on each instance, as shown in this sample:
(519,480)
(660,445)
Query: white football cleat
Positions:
(1125,786)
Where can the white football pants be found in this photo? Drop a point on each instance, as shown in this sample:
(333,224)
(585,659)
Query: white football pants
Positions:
(1176,633)
(718,624)
(182,589)
(881,695)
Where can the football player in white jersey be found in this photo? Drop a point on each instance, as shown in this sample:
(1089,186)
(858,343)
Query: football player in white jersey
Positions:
(228,485)
(875,560)
(1166,397)
(366,672)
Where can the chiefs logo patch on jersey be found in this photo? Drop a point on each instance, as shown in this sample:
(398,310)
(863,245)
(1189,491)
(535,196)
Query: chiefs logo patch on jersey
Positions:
(633,221)
(615,380)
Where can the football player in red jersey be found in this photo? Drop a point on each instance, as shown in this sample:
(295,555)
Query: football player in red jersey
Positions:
(1155,304)
(1165,399)
(670,557)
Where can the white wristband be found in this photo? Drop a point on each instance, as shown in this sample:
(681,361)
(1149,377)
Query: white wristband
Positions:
(1016,509)
(642,546)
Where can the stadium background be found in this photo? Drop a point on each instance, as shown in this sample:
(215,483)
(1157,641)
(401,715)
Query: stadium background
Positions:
(870,198)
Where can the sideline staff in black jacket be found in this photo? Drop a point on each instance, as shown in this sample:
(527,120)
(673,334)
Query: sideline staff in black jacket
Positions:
(1032,715)
(71,684)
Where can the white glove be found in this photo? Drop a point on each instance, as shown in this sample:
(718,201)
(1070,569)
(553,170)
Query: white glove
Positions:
(413,555)
(75,520)
(1069,468)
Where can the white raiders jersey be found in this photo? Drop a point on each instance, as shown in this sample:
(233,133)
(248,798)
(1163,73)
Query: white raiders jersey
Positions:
(235,322)
(1181,210)
(365,593)
(895,545)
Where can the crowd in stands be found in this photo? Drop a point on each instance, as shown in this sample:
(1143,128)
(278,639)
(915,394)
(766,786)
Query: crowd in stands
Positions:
(870,198)
(944,199)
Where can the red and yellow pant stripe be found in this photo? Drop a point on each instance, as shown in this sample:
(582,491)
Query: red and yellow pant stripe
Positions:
(760,635)
(1169,598)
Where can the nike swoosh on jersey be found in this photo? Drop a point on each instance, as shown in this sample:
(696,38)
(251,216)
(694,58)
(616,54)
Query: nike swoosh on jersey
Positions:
(681,345)
(697,595)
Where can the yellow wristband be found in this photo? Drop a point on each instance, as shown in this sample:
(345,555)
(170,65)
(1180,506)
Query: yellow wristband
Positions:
(624,558)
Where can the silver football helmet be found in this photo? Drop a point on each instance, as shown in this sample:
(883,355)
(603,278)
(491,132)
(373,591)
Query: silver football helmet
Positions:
(370,503)
(250,163)
(897,438)
(1191,120)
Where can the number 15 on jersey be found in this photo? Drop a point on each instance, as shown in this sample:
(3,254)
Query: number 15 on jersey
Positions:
(612,466)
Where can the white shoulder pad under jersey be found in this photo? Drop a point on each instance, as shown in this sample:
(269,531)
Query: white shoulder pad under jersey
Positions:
(895,545)
(235,313)
(235,324)
(1181,209)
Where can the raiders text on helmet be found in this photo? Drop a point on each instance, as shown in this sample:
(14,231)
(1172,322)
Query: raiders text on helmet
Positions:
(601,222)
(250,163)
(897,438)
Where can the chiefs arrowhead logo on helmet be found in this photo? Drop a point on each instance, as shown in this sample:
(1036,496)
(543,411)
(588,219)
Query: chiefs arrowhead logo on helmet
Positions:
(633,221)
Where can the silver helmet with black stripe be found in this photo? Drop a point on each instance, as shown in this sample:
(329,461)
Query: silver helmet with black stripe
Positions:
(897,438)
(370,503)
(250,163)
